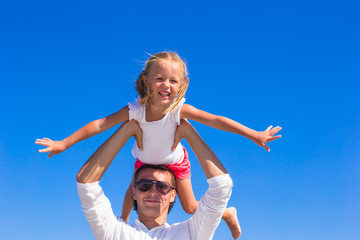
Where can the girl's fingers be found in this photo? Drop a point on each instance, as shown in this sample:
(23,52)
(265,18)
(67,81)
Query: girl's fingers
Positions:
(273,138)
(275,130)
(43,144)
(41,141)
(44,150)
(268,129)
(266,147)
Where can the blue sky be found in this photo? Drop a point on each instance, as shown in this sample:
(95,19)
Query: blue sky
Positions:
(288,63)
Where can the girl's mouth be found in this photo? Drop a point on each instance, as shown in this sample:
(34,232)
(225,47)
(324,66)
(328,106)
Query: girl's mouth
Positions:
(164,94)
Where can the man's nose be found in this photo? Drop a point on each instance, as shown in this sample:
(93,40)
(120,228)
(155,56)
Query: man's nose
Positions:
(153,189)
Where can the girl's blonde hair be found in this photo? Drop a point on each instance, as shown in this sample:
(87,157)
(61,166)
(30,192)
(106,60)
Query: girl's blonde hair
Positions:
(154,59)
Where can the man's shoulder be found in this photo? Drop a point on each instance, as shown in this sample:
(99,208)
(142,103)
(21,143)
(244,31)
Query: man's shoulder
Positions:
(181,224)
(179,230)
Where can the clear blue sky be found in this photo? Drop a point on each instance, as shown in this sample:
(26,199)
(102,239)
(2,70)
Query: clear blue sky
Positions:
(288,63)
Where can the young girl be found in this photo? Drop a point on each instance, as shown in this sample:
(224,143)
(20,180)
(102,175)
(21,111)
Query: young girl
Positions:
(158,109)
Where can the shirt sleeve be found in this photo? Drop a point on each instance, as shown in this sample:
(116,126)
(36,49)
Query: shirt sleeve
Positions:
(176,113)
(211,207)
(97,210)
(135,110)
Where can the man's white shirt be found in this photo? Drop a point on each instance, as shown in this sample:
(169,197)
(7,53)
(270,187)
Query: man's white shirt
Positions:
(201,226)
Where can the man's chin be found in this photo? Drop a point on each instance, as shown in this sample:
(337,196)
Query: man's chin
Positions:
(152,206)
(151,212)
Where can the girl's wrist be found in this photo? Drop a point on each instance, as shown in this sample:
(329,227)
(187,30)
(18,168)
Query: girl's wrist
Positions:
(65,143)
(255,136)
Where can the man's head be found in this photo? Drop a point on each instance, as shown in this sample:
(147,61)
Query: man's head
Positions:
(154,190)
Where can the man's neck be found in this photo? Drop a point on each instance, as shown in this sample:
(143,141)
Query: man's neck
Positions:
(150,222)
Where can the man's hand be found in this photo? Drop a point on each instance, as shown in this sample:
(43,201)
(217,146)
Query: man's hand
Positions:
(210,164)
(261,138)
(136,132)
(180,132)
(96,166)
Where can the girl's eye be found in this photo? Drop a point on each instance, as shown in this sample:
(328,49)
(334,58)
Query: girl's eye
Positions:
(173,81)
(159,79)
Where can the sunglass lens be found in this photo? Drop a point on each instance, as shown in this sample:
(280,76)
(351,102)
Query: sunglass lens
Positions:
(162,187)
(144,186)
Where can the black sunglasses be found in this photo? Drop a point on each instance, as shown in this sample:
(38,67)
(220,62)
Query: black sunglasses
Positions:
(145,184)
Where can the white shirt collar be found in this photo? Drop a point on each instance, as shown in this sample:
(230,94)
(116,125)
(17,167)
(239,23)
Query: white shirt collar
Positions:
(140,226)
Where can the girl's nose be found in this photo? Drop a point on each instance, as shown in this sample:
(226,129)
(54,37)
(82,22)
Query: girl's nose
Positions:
(167,82)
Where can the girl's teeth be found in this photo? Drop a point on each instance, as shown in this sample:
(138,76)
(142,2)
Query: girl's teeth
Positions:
(164,94)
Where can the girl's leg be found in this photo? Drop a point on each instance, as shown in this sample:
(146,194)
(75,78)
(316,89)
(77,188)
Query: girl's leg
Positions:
(186,195)
(230,217)
(189,204)
(128,202)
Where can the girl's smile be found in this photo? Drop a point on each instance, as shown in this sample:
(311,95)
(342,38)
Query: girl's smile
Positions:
(164,82)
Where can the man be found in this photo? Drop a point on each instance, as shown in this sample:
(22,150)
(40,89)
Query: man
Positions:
(154,191)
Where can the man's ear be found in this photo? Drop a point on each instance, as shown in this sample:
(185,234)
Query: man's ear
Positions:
(133,194)
(173,195)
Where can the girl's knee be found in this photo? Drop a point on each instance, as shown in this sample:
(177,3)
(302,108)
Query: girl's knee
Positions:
(190,209)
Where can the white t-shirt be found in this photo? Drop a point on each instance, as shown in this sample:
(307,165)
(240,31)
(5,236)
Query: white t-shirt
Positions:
(158,136)
(201,226)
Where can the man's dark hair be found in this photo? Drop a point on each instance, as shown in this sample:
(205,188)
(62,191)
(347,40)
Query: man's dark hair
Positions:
(157,167)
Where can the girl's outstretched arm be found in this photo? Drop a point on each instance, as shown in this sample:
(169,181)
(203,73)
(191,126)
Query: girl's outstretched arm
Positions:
(89,130)
(226,124)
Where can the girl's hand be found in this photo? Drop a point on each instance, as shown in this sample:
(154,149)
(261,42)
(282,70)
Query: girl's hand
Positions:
(261,138)
(54,147)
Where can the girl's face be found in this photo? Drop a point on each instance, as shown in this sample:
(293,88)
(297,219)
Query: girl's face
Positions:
(164,81)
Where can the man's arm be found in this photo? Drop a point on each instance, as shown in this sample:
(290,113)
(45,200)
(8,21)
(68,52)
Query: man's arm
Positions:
(208,160)
(212,205)
(95,205)
(96,166)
